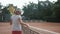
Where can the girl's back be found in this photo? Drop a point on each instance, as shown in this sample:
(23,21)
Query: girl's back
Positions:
(15,23)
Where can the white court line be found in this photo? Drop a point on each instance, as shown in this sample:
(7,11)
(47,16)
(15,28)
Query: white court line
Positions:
(44,30)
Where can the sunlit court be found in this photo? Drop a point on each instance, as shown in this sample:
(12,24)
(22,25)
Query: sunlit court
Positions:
(5,28)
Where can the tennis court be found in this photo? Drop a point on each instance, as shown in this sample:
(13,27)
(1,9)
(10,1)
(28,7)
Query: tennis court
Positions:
(5,27)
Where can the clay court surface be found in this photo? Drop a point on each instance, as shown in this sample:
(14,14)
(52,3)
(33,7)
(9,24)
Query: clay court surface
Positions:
(5,27)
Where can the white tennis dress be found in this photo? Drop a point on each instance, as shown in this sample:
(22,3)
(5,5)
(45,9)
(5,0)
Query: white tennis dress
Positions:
(16,26)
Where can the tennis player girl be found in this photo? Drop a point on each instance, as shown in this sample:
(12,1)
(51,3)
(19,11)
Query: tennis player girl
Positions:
(16,22)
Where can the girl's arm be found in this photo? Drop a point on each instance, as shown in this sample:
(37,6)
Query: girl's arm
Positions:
(22,23)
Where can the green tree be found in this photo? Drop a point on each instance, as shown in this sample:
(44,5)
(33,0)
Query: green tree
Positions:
(38,11)
(45,8)
(56,9)
(0,12)
(6,14)
(0,6)
(30,10)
